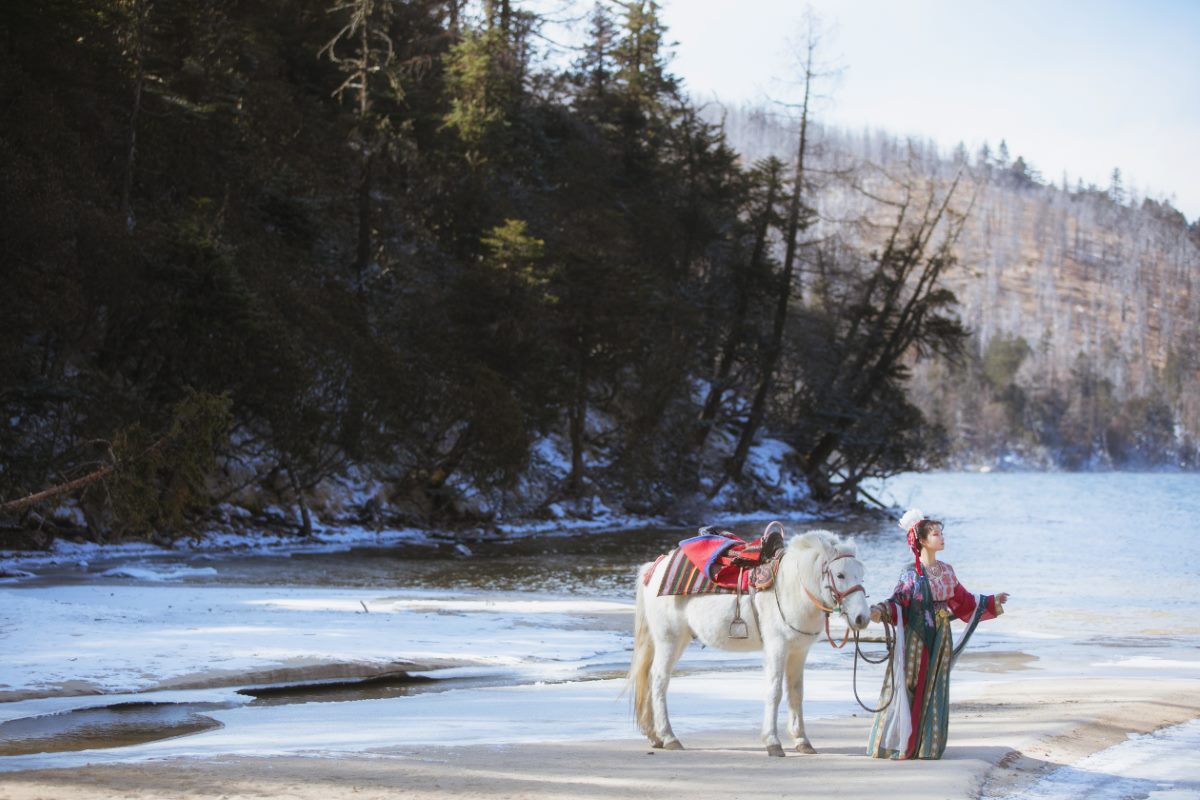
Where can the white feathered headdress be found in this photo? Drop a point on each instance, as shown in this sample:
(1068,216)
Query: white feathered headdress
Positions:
(911,518)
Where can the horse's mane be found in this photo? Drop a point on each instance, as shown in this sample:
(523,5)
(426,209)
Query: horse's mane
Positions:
(826,542)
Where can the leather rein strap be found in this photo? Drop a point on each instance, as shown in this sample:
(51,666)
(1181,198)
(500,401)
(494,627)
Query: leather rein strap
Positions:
(889,678)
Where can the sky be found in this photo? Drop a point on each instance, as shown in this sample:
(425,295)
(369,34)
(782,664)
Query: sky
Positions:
(1070,86)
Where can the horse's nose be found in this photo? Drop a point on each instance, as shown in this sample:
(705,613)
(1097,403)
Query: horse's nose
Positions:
(860,621)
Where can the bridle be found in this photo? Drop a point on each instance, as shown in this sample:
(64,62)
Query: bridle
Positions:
(831,584)
(838,596)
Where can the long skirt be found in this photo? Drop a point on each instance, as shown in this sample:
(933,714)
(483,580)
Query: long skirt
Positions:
(930,702)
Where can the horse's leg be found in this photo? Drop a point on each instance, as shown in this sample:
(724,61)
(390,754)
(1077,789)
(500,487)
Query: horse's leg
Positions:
(795,691)
(774,656)
(666,653)
(639,667)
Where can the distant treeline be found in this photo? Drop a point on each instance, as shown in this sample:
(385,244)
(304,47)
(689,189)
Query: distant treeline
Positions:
(251,247)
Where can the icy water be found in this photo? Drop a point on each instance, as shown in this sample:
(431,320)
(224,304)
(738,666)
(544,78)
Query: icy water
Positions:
(1097,559)
(1079,548)
(1102,570)
(597,564)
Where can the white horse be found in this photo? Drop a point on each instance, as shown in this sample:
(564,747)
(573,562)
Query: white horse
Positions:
(816,567)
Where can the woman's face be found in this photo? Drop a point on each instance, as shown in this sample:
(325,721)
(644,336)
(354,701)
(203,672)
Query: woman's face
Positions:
(934,540)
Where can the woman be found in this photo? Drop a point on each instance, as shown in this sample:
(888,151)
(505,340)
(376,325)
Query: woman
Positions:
(914,724)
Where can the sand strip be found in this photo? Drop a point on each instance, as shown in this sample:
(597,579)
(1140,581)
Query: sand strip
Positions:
(1013,733)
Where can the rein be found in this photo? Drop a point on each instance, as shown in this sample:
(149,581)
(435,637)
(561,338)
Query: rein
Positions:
(889,678)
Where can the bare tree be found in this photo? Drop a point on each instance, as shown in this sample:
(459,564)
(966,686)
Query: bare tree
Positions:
(372,57)
(799,217)
(769,174)
(896,310)
(134,39)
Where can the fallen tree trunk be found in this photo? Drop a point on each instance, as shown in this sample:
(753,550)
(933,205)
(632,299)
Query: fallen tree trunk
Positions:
(54,491)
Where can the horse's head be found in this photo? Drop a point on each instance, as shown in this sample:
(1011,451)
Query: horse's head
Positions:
(840,574)
(844,574)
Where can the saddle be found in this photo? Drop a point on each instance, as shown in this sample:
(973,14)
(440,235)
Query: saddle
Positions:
(720,562)
(743,563)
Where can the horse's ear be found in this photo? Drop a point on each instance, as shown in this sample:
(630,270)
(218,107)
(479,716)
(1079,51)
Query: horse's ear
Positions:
(835,545)
(830,542)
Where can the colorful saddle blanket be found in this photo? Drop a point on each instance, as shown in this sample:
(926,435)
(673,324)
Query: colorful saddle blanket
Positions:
(719,562)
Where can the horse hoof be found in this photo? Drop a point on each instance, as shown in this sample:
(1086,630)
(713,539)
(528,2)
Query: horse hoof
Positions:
(775,750)
(656,744)
(674,744)
(806,748)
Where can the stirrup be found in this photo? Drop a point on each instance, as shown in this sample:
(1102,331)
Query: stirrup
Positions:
(738,629)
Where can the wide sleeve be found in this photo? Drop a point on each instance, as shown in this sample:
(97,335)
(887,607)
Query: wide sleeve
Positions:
(962,603)
(906,587)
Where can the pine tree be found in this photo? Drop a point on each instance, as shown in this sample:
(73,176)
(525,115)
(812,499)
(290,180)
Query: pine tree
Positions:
(1116,187)
(645,90)
(596,66)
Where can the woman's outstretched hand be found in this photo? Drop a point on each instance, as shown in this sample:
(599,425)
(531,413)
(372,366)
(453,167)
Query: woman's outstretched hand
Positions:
(1002,598)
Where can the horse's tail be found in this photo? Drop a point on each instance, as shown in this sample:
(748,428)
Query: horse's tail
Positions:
(639,666)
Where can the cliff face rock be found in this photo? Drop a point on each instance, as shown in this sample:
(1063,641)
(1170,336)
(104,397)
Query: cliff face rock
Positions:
(1092,295)
(1105,297)
(1079,273)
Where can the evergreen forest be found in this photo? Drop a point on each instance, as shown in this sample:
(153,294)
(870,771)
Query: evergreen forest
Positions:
(271,263)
